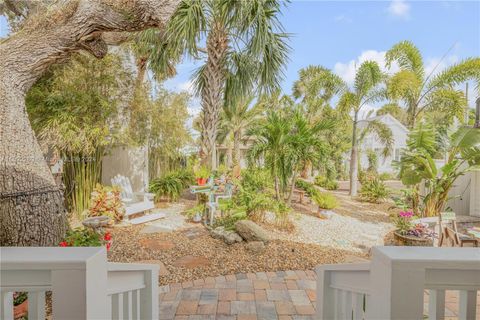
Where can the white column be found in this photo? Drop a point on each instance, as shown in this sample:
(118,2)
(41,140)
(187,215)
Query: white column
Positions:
(325,296)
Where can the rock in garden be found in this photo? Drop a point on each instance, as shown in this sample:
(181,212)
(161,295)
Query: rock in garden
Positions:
(250,231)
(256,246)
(228,236)
(325,214)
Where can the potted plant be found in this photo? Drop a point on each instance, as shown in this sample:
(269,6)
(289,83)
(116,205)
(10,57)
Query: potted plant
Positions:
(195,214)
(408,233)
(202,174)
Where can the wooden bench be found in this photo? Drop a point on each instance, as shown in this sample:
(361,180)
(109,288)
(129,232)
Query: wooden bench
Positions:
(301,195)
(451,234)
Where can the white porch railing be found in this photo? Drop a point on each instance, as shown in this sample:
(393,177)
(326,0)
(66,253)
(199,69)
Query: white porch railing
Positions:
(83,284)
(393,284)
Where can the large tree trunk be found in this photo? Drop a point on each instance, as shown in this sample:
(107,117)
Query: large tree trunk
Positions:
(237,136)
(213,93)
(31,205)
(353,159)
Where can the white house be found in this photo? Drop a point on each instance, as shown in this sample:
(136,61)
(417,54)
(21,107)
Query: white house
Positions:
(371,142)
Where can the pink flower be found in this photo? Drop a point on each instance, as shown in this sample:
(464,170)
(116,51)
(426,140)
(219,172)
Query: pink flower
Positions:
(108,245)
(406,214)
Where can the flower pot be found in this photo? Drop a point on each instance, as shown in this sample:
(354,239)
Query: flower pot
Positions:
(201,181)
(197,217)
(411,241)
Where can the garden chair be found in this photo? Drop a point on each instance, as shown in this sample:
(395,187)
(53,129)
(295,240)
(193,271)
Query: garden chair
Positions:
(134,202)
(213,204)
(451,234)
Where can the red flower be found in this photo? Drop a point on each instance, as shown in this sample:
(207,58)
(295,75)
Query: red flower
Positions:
(63,244)
(108,245)
(107,236)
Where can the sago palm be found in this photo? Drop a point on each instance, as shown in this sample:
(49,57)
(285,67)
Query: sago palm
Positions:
(245,49)
(366,89)
(235,120)
(419,93)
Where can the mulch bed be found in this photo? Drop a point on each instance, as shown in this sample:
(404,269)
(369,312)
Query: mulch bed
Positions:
(206,256)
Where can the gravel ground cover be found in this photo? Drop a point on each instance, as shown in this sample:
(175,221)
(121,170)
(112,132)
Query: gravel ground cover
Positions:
(191,254)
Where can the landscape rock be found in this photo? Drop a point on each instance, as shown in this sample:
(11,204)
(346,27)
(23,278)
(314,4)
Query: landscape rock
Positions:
(255,246)
(250,231)
(228,236)
(325,214)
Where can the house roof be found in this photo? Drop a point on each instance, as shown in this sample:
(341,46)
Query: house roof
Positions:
(389,117)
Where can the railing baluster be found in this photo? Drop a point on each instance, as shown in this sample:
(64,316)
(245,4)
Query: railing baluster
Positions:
(357,306)
(36,305)
(117,308)
(136,304)
(436,304)
(467,305)
(6,307)
(127,305)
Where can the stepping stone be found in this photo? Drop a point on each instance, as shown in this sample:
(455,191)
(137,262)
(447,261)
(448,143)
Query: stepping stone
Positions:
(155,229)
(191,262)
(194,233)
(155,244)
(162,271)
(147,218)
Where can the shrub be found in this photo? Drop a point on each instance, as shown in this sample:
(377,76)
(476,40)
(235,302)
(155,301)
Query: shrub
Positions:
(326,183)
(199,208)
(81,237)
(171,185)
(106,201)
(374,190)
(386,176)
(282,211)
(229,220)
(306,186)
(256,179)
(255,204)
(202,172)
(325,201)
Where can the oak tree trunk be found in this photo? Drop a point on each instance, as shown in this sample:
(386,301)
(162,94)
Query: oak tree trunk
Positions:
(32,211)
(213,93)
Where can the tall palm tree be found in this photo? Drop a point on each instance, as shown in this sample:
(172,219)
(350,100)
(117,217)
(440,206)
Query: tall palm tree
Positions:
(419,93)
(366,89)
(246,49)
(235,120)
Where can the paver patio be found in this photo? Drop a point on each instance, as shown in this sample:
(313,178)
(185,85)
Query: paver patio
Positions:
(278,295)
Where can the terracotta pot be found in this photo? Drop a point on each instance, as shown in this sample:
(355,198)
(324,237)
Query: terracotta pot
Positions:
(411,241)
(201,181)
(21,310)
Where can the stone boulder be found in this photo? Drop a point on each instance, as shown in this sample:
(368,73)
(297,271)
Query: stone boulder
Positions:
(250,231)
(325,214)
(228,236)
(255,246)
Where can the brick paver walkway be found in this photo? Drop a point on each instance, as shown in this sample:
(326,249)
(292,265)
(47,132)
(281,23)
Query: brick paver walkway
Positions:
(262,295)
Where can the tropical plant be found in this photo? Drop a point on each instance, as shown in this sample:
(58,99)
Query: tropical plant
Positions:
(202,172)
(325,201)
(245,51)
(235,119)
(308,187)
(366,90)
(374,190)
(418,165)
(106,201)
(326,183)
(73,109)
(228,221)
(171,185)
(403,222)
(81,237)
(282,215)
(419,93)
(372,159)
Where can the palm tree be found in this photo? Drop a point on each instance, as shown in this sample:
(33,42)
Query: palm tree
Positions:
(419,93)
(245,49)
(366,89)
(235,120)
(418,165)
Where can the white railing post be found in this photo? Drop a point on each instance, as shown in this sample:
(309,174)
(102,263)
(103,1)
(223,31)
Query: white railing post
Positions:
(467,305)
(436,304)
(325,295)
(6,305)
(36,305)
(149,299)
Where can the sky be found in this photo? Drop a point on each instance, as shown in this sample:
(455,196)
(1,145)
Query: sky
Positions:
(341,34)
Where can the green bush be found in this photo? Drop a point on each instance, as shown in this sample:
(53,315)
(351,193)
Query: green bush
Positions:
(282,211)
(256,179)
(325,201)
(171,185)
(374,190)
(82,237)
(308,187)
(326,183)
(386,176)
(229,220)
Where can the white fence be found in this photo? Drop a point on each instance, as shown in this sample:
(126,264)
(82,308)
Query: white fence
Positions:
(392,285)
(83,284)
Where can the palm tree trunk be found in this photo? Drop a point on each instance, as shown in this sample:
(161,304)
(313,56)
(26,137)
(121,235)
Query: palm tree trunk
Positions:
(212,93)
(353,159)
(31,204)
(277,189)
(292,187)
(141,71)
(236,147)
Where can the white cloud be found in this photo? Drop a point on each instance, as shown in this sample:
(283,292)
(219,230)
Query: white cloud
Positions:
(435,65)
(185,86)
(341,18)
(399,8)
(347,70)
